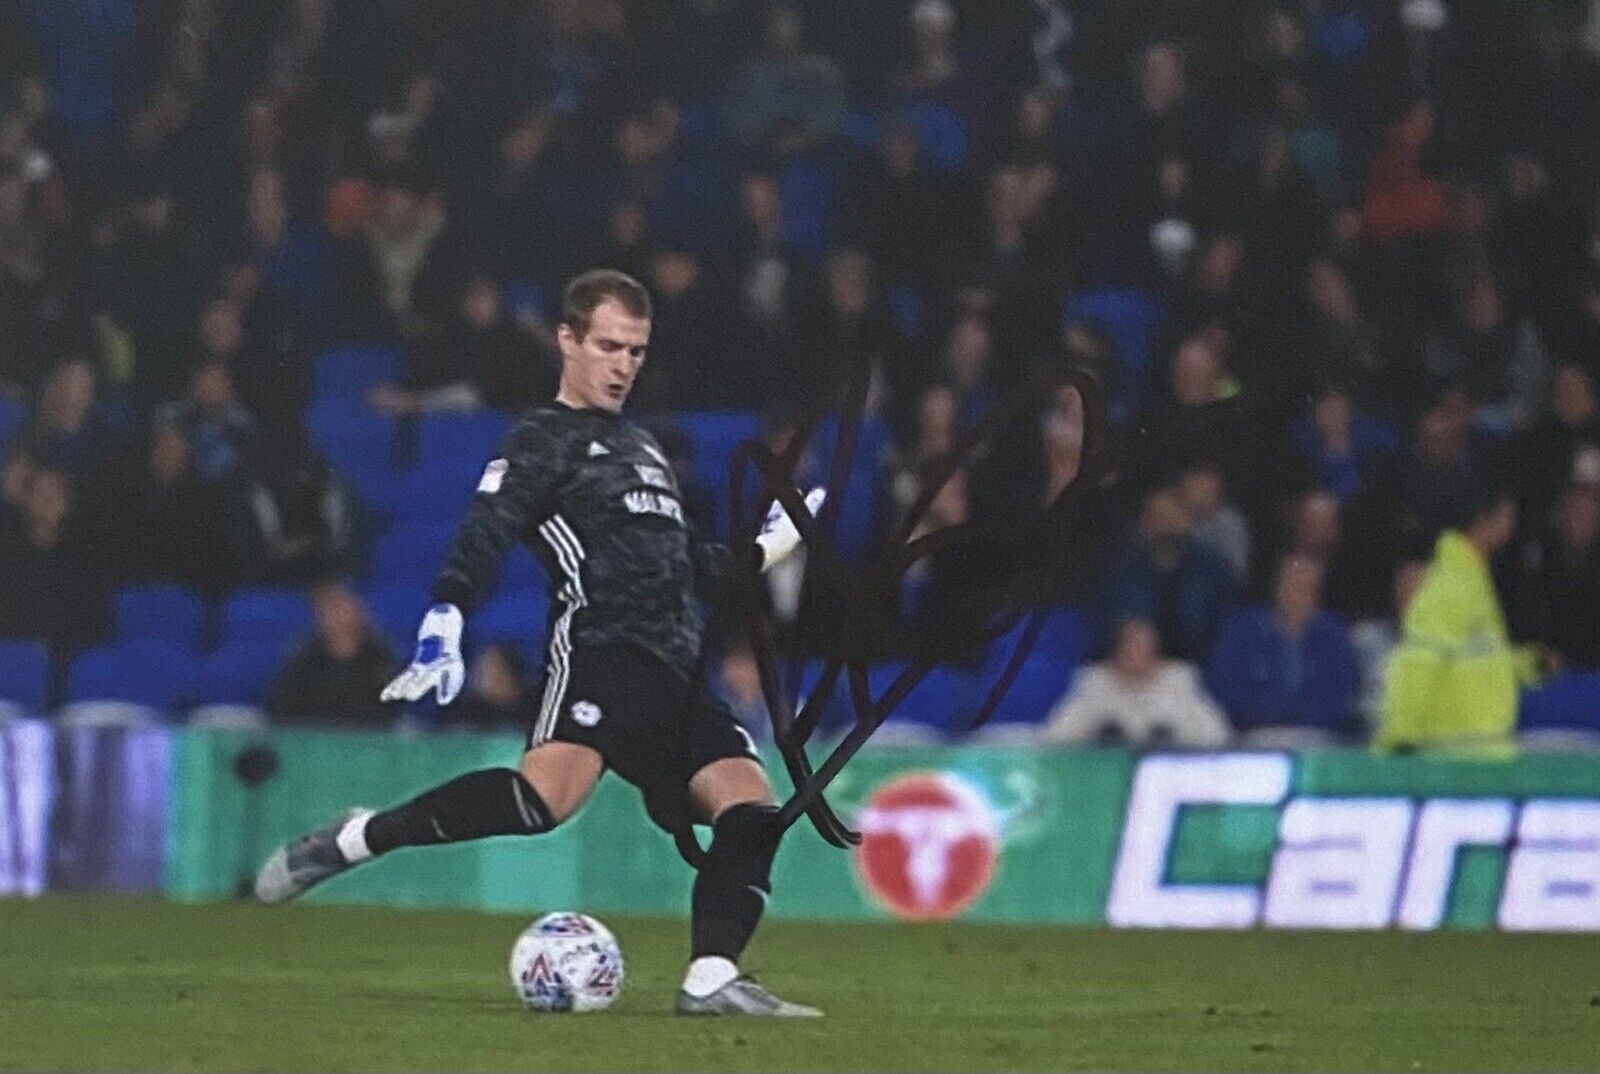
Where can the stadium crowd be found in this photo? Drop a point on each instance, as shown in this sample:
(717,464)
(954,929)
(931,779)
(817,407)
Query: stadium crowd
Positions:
(272,275)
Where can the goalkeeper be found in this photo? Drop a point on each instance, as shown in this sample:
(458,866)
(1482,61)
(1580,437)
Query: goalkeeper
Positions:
(593,494)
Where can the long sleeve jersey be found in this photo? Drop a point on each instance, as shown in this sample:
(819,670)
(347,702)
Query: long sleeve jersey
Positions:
(595,498)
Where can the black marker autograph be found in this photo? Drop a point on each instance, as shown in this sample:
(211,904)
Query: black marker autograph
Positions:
(863,601)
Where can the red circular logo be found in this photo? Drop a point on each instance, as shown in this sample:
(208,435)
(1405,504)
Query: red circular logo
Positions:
(929,842)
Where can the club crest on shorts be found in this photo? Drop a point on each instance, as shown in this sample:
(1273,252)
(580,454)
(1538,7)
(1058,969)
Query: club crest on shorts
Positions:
(585,713)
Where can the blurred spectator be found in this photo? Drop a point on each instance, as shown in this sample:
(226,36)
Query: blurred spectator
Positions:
(933,70)
(20,466)
(1564,580)
(1138,699)
(776,298)
(1289,665)
(54,588)
(628,245)
(26,256)
(1342,446)
(1216,523)
(855,330)
(512,213)
(1213,298)
(787,101)
(1453,680)
(150,273)
(1564,446)
(1501,364)
(967,366)
(937,424)
(482,359)
(263,386)
(304,516)
(1351,586)
(1313,196)
(175,527)
(219,432)
(1401,199)
(335,677)
(396,276)
(498,695)
(1436,480)
(908,217)
(68,431)
(1061,432)
(1376,639)
(1016,255)
(1165,118)
(1339,348)
(691,360)
(1167,576)
(289,255)
(949,594)
(1174,219)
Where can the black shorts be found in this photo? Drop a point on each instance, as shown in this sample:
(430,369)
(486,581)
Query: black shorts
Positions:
(651,726)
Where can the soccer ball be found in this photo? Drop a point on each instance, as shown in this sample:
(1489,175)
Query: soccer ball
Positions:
(566,962)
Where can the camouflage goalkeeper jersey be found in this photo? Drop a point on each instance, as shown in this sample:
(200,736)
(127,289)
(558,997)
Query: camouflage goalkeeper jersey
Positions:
(595,498)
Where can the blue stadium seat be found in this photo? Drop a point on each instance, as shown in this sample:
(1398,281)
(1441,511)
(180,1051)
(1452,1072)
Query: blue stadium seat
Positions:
(268,616)
(910,310)
(863,490)
(699,120)
(24,674)
(397,610)
(932,707)
(515,618)
(1065,635)
(240,673)
(142,671)
(713,436)
(357,441)
(350,372)
(411,553)
(1568,702)
(465,441)
(863,127)
(526,299)
(431,492)
(809,190)
(1041,682)
(12,414)
(169,612)
(941,136)
(1132,318)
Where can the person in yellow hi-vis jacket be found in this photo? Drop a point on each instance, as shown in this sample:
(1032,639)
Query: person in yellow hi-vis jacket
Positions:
(1454,677)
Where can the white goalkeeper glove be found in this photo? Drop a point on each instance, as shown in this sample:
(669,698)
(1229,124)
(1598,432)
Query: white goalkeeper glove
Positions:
(437,664)
(779,537)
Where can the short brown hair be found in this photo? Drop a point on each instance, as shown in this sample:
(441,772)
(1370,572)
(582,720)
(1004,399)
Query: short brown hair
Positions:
(588,290)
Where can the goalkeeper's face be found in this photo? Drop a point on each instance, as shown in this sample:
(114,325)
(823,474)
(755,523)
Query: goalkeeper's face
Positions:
(599,367)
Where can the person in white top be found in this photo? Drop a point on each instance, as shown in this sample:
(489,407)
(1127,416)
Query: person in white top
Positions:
(1138,698)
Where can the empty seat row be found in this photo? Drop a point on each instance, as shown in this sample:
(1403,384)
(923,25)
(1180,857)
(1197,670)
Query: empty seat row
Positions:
(158,671)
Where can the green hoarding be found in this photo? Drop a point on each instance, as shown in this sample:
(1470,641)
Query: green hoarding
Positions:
(1338,839)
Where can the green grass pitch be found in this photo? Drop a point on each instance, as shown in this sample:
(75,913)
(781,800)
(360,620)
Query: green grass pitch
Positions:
(94,983)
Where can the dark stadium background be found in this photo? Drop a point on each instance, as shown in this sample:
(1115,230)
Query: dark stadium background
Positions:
(275,276)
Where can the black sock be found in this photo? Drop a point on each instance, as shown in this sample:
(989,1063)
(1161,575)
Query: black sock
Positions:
(730,893)
(494,801)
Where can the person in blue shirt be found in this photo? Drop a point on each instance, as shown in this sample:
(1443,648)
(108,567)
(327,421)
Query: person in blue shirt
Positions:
(1288,664)
(1342,445)
(1168,577)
